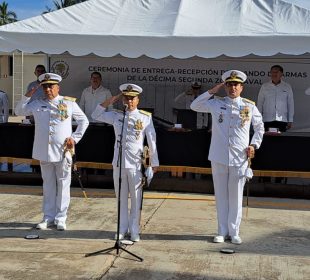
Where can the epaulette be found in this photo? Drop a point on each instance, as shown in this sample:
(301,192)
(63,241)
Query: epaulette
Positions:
(249,101)
(219,97)
(145,113)
(117,111)
(69,98)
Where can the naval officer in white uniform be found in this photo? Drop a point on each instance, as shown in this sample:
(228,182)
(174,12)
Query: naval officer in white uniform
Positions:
(137,125)
(230,147)
(53,131)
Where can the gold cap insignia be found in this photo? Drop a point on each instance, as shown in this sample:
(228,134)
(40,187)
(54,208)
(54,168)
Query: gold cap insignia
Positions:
(233,75)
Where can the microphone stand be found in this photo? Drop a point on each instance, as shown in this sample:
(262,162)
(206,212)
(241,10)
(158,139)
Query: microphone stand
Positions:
(118,246)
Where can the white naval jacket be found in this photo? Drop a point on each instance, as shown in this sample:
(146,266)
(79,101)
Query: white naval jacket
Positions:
(137,125)
(50,130)
(230,127)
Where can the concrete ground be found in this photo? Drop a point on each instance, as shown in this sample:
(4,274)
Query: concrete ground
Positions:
(176,240)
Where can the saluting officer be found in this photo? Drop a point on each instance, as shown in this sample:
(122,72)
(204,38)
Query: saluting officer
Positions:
(53,135)
(137,125)
(230,148)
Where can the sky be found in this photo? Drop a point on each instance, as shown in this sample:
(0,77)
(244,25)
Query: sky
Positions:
(30,8)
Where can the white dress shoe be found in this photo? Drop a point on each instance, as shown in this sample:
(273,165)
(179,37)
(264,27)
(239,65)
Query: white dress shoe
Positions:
(61,226)
(121,236)
(45,224)
(218,239)
(236,240)
(135,237)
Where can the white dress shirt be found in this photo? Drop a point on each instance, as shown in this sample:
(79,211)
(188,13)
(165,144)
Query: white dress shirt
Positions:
(230,127)
(138,124)
(276,102)
(91,98)
(50,130)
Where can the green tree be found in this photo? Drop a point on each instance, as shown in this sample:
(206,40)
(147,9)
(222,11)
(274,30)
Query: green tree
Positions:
(6,16)
(60,4)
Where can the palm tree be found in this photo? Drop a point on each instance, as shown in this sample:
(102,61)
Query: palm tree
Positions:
(5,15)
(60,4)
(63,4)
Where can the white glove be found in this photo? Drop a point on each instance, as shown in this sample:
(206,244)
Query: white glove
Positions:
(248,173)
(67,160)
(149,174)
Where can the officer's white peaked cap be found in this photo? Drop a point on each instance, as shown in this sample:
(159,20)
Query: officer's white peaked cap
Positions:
(130,89)
(234,76)
(49,78)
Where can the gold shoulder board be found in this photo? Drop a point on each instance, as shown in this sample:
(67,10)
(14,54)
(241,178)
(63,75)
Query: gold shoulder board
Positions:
(249,101)
(69,98)
(145,113)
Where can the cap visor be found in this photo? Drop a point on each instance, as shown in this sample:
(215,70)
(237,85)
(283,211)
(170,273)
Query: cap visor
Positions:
(234,80)
(130,94)
(49,82)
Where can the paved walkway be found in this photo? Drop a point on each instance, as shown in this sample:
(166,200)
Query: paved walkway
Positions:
(177,231)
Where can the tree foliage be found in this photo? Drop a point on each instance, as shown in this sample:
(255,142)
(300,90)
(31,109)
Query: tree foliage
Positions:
(6,16)
(60,4)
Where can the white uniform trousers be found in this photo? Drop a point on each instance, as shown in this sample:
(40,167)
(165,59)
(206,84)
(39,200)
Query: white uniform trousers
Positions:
(56,190)
(131,180)
(228,188)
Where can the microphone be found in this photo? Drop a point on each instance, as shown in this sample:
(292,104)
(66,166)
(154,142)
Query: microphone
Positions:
(125,107)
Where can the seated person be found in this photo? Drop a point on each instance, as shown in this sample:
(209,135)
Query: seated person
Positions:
(182,112)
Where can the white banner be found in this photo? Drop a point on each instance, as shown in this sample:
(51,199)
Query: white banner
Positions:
(163,79)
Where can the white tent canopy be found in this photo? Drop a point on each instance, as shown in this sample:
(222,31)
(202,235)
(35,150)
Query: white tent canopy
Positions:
(161,28)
